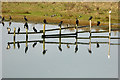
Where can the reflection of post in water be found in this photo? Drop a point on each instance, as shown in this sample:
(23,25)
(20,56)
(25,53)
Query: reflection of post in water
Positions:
(109,32)
(26,48)
(14,38)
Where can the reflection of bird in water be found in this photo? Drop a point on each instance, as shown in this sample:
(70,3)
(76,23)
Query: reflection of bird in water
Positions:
(26,49)
(26,25)
(90,18)
(35,29)
(25,18)
(68,46)
(60,23)
(8,29)
(10,20)
(34,44)
(44,51)
(98,45)
(98,23)
(89,51)
(77,22)
(18,45)
(3,21)
(59,47)
(45,22)
(19,30)
(76,48)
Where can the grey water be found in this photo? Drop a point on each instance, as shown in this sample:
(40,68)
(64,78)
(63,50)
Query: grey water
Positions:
(56,64)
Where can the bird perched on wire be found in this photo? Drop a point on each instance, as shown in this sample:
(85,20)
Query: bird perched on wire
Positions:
(18,45)
(26,25)
(44,51)
(76,48)
(89,51)
(98,23)
(59,47)
(35,29)
(26,49)
(25,18)
(77,21)
(3,21)
(90,18)
(98,45)
(34,44)
(10,20)
(45,22)
(60,23)
(19,30)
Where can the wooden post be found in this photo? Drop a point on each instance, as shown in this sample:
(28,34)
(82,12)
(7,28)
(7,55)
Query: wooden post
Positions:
(90,27)
(26,36)
(44,29)
(90,37)
(14,38)
(109,33)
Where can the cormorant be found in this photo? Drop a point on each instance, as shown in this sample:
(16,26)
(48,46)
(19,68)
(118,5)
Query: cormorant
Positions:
(18,45)
(45,22)
(90,18)
(25,18)
(44,51)
(98,45)
(34,29)
(98,23)
(26,49)
(19,30)
(60,48)
(3,18)
(26,25)
(89,51)
(68,46)
(60,23)
(34,44)
(76,48)
(77,22)
(10,18)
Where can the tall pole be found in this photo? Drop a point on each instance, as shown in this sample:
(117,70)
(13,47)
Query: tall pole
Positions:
(109,33)
(14,38)
(90,37)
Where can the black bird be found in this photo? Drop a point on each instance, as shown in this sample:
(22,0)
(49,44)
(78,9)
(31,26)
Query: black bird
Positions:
(98,23)
(60,23)
(26,49)
(26,25)
(90,18)
(60,48)
(68,46)
(89,51)
(35,29)
(25,18)
(10,23)
(98,45)
(45,22)
(44,51)
(76,48)
(34,44)
(3,18)
(19,30)
(10,18)
(77,21)
(18,45)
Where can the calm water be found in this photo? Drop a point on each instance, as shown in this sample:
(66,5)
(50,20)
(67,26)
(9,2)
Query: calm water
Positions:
(57,64)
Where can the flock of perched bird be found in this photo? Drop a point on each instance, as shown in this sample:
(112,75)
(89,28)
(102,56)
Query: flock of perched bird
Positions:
(45,22)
